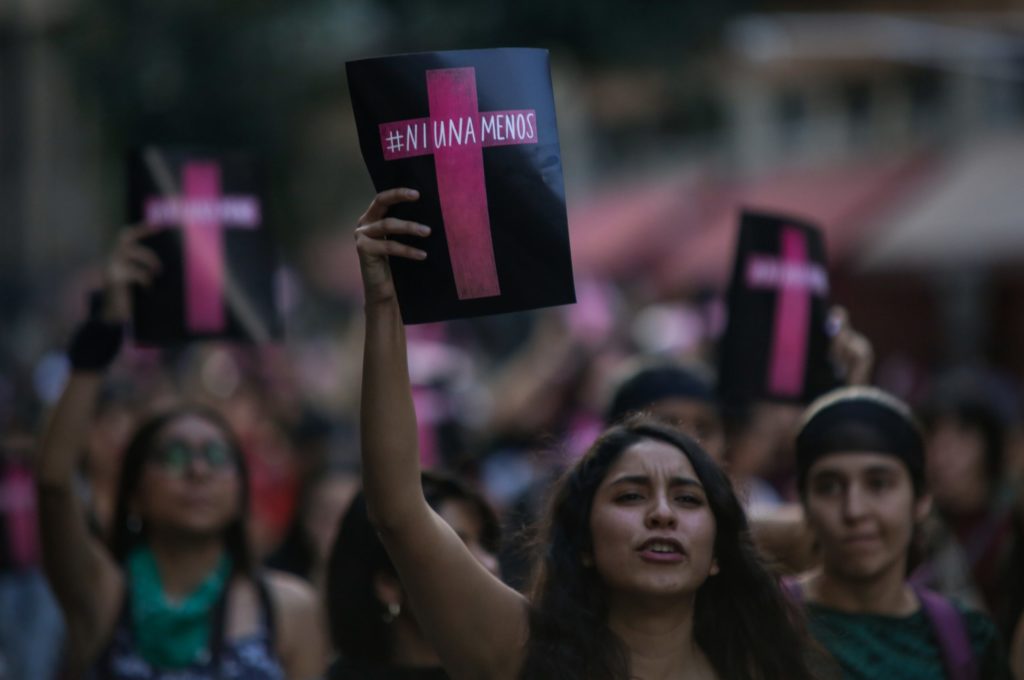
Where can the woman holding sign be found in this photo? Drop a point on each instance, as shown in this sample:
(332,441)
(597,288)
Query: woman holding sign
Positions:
(173,593)
(647,570)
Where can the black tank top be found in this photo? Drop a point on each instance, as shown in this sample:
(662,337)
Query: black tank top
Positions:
(248,658)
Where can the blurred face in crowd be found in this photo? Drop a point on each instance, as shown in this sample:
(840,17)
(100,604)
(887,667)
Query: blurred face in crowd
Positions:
(764,446)
(956,466)
(652,529)
(190,482)
(862,508)
(464,518)
(699,419)
(329,498)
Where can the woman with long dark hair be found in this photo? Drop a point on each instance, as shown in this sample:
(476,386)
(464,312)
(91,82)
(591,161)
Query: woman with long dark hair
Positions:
(647,568)
(372,627)
(968,544)
(173,592)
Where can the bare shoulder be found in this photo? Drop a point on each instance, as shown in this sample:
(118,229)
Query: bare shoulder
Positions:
(294,599)
(298,612)
(302,640)
(290,590)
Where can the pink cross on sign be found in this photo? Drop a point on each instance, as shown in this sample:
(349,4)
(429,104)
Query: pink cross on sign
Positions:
(203,213)
(795,279)
(455,133)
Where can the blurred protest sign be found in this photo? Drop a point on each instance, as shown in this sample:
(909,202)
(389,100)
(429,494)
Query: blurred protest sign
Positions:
(775,344)
(475,132)
(217,264)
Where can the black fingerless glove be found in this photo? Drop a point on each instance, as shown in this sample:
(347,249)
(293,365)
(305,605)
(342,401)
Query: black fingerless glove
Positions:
(96,342)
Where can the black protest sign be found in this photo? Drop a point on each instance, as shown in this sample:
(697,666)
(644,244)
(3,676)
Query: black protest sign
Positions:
(217,264)
(475,133)
(775,345)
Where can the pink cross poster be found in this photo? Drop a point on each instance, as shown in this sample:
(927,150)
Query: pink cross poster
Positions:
(775,345)
(475,133)
(217,263)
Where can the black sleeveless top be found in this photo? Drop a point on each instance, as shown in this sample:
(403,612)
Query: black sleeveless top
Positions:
(248,658)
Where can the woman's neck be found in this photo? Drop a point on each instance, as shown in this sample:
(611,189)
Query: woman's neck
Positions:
(658,633)
(184,563)
(887,593)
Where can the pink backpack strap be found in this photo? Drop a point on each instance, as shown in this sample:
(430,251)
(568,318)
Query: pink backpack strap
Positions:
(793,590)
(946,621)
(948,625)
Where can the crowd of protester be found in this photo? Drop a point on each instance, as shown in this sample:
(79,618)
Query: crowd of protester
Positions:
(220,511)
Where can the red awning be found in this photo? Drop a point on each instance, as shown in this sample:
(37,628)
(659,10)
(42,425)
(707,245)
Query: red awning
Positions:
(619,231)
(680,233)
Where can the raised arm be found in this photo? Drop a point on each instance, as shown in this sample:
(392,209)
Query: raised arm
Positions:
(476,623)
(82,573)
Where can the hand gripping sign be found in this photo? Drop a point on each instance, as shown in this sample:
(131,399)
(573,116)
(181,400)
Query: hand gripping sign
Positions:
(775,345)
(475,133)
(217,279)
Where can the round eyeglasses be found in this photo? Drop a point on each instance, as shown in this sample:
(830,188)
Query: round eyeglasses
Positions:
(176,456)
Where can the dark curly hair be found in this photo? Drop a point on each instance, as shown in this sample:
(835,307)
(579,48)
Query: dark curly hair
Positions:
(742,621)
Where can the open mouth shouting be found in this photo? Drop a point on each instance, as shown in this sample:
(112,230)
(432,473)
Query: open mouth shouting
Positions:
(662,550)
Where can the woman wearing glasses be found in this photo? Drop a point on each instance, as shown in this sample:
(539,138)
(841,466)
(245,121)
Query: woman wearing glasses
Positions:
(173,592)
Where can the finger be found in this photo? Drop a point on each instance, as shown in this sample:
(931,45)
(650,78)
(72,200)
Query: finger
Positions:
(838,320)
(860,346)
(842,348)
(380,248)
(131,273)
(391,226)
(384,200)
(135,232)
(142,279)
(142,256)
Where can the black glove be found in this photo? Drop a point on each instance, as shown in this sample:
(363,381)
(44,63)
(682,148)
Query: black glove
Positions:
(96,342)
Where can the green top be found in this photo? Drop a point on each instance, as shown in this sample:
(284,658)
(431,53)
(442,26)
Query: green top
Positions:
(873,646)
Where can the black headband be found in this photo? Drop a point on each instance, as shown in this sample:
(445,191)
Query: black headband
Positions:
(860,419)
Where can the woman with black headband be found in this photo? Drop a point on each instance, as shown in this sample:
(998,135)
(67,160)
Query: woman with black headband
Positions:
(860,465)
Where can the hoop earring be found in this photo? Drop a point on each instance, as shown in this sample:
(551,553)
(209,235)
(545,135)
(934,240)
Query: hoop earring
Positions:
(393,610)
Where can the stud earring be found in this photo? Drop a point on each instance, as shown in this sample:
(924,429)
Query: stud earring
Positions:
(394,609)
